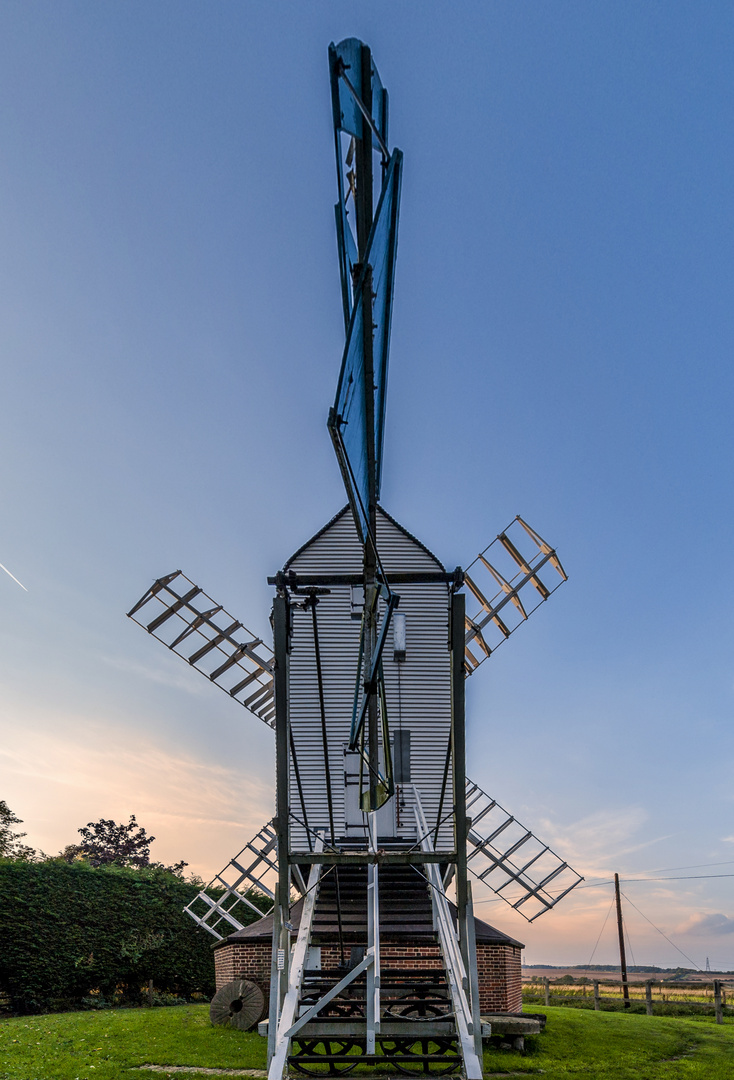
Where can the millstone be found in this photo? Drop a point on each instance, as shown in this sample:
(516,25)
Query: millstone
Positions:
(241,1004)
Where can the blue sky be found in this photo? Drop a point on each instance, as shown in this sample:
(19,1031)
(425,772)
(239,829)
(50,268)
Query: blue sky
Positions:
(562,343)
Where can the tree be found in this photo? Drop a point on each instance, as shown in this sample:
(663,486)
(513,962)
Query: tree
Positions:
(105,843)
(10,845)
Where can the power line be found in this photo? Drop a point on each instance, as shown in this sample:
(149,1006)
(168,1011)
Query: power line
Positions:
(652,924)
(627,881)
(683,877)
(696,866)
(600,933)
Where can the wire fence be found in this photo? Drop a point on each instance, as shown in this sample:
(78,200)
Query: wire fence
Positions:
(651,996)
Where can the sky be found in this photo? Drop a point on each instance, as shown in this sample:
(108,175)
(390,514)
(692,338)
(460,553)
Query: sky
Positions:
(171,334)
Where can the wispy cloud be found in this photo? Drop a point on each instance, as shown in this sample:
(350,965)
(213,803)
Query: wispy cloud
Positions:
(177,675)
(595,844)
(198,810)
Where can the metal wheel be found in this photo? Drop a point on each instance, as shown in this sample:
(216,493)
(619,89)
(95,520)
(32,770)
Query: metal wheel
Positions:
(409,1055)
(334,1052)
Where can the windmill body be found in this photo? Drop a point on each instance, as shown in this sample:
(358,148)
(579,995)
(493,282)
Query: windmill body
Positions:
(377,827)
(417,684)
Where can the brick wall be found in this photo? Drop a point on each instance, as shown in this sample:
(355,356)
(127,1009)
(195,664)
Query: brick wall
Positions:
(498,967)
(500,977)
(246,959)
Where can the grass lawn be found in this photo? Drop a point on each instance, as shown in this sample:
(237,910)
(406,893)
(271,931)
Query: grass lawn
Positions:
(107,1045)
(114,1044)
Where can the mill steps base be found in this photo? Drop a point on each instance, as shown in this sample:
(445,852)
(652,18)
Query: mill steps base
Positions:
(348,1026)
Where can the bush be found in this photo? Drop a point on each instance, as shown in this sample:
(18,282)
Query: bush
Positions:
(72,932)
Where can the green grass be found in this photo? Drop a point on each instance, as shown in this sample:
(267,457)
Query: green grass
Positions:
(105,1045)
(111,1045)
(615,1046)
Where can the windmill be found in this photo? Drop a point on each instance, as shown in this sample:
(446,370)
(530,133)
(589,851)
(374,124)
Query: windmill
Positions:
(364,687)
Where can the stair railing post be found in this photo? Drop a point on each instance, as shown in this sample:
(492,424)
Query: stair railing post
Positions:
(473,973)
(458,763)
(289,1001)
(456,974)
(373,940)
(281,935)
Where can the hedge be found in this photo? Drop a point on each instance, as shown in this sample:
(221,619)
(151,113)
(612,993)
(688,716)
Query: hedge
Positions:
(69,932)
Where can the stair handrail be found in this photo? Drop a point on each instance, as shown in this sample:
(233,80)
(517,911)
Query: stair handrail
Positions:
(289,1008)
(453,960)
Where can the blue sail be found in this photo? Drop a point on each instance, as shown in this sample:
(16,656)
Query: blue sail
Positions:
(348,420)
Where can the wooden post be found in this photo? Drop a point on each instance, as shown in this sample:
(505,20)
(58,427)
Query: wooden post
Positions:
(622,957)
(648,997)
(597,999)
(546,990)
(717,1002)
(150,992)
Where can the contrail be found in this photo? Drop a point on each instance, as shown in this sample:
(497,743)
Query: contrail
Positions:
(13,577)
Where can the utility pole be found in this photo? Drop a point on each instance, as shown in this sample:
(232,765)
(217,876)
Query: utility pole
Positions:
(622,957)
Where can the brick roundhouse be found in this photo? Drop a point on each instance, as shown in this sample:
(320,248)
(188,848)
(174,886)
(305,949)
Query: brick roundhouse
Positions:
(247,953)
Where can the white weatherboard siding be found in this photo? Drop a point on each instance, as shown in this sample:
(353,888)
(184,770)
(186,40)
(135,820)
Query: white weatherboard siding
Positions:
(418,689)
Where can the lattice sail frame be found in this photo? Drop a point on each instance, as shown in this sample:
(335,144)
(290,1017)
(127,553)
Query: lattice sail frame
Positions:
(243,668)
(501,853)
(227,892)
(525,568)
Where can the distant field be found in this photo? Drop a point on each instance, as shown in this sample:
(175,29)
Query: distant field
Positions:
(117,1043)
(634,976)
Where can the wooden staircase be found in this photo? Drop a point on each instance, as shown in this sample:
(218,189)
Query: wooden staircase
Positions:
(416,1025)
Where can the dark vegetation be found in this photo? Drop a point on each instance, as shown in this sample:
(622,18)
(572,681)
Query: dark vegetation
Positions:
(10,838)
(105,843)
(95,925)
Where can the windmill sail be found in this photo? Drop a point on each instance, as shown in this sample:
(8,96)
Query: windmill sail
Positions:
(181,615)
(351,86)
(367,254)
(511,860)
(523,573)
(350,415)
(227,898)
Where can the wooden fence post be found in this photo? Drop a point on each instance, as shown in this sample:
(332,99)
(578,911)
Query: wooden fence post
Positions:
(597,999)
(717,1002)
(150,993)
(648,997)
(546,990)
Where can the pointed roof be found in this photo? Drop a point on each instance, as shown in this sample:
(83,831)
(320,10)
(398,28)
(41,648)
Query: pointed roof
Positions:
(380,510)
